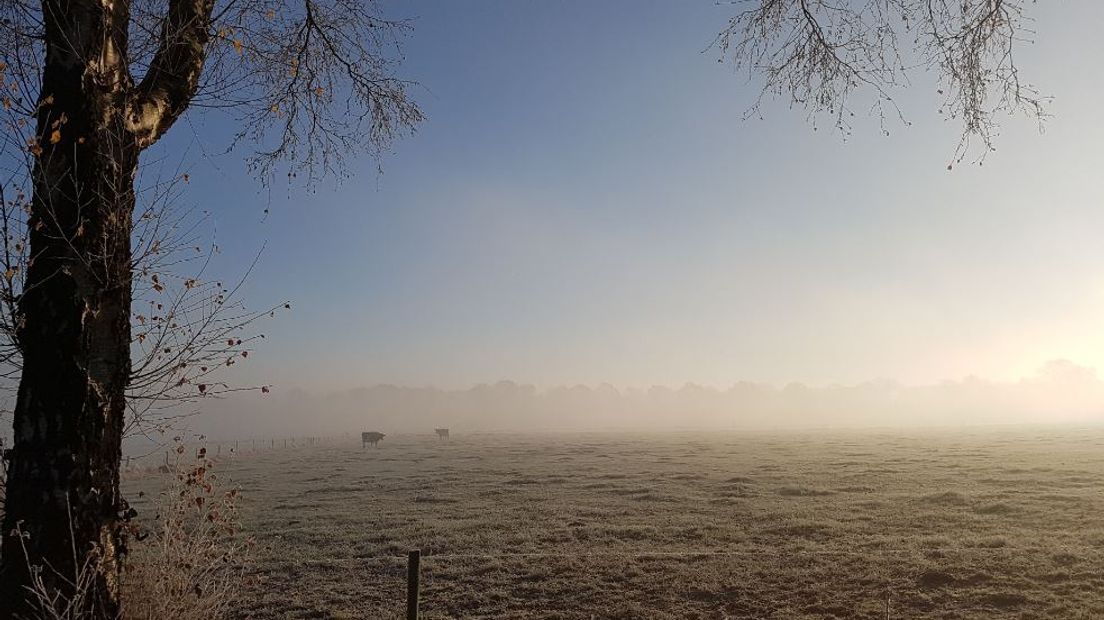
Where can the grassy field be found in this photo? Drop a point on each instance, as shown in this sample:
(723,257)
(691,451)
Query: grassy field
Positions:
(1000,524)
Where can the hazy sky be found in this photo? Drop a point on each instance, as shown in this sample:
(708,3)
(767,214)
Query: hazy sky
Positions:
(585,204)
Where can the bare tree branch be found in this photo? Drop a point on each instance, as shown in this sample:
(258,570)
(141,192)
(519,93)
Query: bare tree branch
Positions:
(820,54)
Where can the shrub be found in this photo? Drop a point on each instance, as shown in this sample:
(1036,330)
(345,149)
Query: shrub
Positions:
(193,563)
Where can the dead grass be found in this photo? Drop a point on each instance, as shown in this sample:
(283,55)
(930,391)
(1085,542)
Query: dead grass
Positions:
(191,561)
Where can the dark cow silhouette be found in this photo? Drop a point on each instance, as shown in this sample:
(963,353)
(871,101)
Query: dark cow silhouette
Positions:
(442,433)
(371,438)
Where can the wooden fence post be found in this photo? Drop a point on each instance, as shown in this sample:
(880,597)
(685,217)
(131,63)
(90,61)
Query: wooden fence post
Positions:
(412,585)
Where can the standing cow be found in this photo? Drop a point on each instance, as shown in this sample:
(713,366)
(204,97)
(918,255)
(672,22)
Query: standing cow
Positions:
(371,438)
(442,433)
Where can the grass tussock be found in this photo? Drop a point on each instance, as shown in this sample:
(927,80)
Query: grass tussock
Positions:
(803,492)
(949,498)
(997,509)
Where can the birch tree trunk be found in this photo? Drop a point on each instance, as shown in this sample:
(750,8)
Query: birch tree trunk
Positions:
(62,510)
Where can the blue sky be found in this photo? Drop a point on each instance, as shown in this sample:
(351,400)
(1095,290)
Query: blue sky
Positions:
(586,204)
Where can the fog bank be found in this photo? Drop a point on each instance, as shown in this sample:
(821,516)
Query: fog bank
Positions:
(1061,392)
